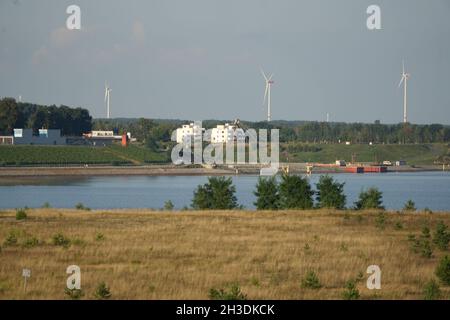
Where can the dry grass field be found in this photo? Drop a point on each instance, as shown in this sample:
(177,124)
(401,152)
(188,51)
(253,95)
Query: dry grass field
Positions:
(182,255)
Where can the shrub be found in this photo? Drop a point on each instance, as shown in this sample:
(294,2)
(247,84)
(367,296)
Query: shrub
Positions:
(217,193)
(330,193)
(311,281)
(46,205)
(421,245)
(11,239)
(431,291)
(295,193)
(168,205)
(425,249)
(380,220)
(80,206)
(60,240)
(441,236)
(74,294)
(78,242)
(409,206)
(234,293)
(426,233)
(102,292)
(398,225)
(21,214)
(415,243)
(267,194)
(351,292)
(370,199)
(30,242)
(99,237)
(443,270)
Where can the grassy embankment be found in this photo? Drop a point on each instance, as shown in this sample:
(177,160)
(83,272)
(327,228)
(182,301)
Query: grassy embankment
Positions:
(76,155)
(182,255)
(419,154)
(414,154)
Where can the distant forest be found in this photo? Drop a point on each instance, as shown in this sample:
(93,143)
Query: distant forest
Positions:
(298,131)
(75,121)
(71,121)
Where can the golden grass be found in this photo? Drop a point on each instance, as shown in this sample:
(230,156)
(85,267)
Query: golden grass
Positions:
(182,255)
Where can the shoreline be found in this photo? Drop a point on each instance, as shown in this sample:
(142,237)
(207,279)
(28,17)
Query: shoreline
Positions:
(171,170)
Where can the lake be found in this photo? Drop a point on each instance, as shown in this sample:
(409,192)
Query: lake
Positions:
(426,189)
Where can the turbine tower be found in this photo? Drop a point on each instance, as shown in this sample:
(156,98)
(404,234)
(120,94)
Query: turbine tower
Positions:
(269,83)
(404,80)
(107,99)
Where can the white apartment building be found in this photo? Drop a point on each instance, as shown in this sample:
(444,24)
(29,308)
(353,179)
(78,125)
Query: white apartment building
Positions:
(188,130)
(226,133)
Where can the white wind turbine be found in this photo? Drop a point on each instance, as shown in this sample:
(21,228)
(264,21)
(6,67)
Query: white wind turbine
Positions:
(107,99)
(269,83)
(404,80)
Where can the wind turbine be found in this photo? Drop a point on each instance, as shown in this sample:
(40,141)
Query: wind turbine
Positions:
(269,83)
(404,80)
(107,99)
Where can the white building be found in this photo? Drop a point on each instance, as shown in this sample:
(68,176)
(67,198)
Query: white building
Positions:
(102,134)
(188,130)
(226,133)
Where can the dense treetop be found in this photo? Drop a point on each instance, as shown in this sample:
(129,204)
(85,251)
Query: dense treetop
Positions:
(71,121)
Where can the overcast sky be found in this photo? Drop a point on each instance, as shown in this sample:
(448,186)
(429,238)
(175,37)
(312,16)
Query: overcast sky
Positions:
(200,59)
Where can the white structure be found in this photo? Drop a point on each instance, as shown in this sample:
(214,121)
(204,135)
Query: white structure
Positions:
(269,83)
(107,100)
(227,133)
(188,130)
(404,80)
(102,134)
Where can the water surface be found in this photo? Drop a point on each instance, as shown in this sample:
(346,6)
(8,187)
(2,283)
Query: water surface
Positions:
(426,189)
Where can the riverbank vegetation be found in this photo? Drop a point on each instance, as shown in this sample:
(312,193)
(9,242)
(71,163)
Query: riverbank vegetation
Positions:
(284,254)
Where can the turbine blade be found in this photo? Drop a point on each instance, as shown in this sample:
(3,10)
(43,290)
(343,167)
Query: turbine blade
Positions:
(401,81)
(265,93)
(403,65)
(270,78)
(263,74)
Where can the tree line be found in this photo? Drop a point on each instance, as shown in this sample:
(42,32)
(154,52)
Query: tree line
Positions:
(71,121)
(292,192)
(324,132)
(299,131)
(157,133)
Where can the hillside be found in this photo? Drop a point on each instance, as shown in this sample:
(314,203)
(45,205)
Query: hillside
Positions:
(78,155)
(415,154)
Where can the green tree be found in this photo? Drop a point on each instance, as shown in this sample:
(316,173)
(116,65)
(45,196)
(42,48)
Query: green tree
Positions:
(443,270)
(409,206)
(168,205)
(441,236)
(370,199)
(431,291)
(217,193)
(295,193)
(330,193)
(267,194)
(9,115)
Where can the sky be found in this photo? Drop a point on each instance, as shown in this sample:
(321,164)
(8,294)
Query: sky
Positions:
(201,59)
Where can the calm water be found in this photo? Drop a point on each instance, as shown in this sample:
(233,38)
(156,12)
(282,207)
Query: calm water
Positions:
(427,189)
